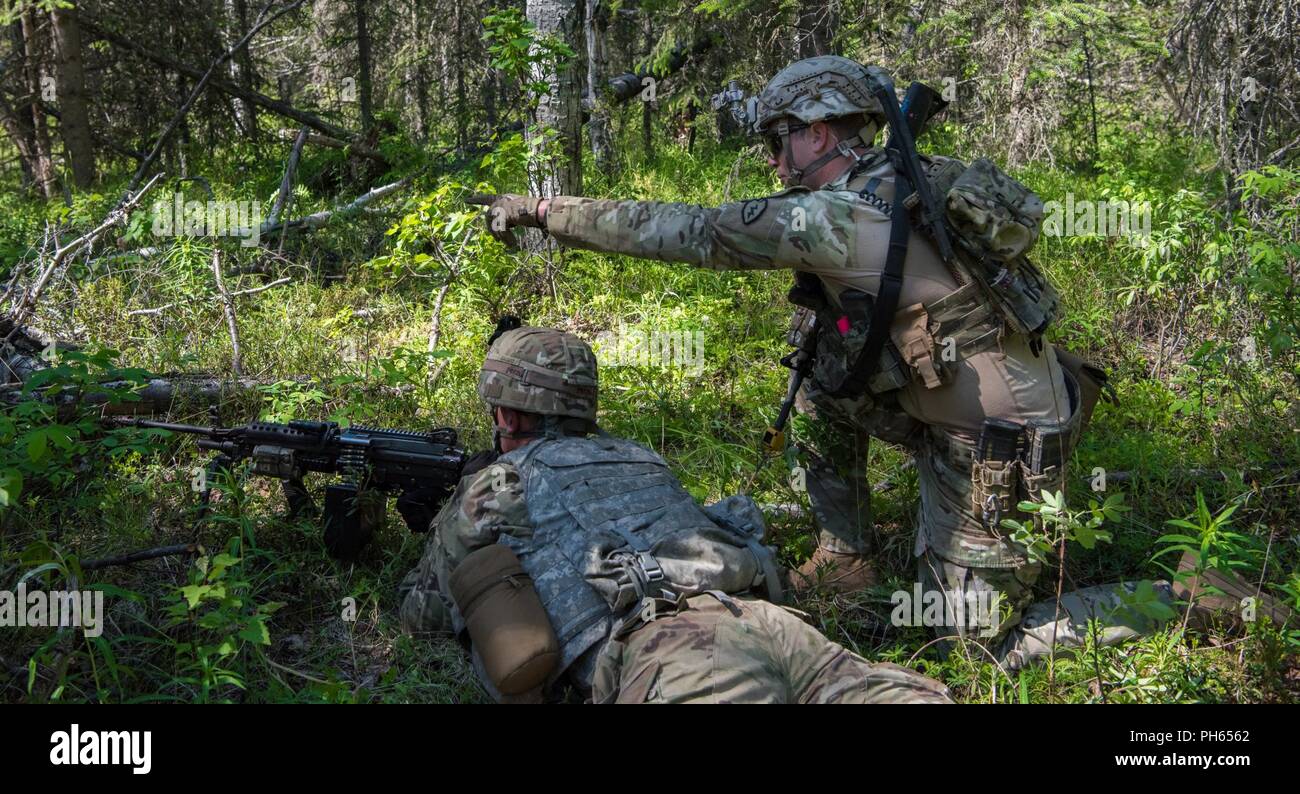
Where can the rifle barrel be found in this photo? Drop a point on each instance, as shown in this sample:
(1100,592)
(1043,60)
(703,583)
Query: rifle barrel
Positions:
(172,426)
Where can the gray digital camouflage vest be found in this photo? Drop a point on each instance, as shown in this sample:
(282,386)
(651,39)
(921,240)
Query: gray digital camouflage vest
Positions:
(611,525)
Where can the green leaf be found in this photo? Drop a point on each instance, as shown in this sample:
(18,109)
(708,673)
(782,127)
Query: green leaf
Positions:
(37,447)
(256,632)
(194,593)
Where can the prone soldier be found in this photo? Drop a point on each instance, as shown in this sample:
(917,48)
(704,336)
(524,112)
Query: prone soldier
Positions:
(577,557)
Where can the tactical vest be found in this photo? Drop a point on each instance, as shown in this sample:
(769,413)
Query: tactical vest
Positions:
(992,223)
(611,528)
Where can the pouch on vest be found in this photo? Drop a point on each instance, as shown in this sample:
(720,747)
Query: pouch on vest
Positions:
(913,334)
(995,474)
(998,216)
(995,221)
(1048,446)
(506,621)
(840,341)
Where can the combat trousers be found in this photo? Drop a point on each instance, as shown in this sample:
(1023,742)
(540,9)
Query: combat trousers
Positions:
(834,438)
(964,555)
(742,650)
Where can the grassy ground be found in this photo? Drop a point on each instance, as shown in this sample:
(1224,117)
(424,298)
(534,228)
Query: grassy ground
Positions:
(347,339)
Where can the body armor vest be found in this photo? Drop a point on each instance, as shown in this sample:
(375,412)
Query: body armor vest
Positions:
(611,527)
(1001,291)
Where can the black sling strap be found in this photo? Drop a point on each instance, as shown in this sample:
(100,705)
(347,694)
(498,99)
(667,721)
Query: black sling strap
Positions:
(891,286)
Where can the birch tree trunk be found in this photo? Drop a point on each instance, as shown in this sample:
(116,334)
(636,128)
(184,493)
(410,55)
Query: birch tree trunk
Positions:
(559,114)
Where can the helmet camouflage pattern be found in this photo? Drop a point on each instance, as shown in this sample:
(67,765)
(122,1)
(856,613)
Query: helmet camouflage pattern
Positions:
(541,371)
(817,89)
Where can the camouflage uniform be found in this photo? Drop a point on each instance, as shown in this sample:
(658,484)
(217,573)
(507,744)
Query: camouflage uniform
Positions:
(624,561)
(742,650)
(934,406)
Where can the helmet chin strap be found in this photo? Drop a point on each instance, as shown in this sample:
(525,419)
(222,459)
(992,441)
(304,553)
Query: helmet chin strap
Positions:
(842,148)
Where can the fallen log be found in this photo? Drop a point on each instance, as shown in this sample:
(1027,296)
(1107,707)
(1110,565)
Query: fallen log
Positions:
(139,556)
(157,396)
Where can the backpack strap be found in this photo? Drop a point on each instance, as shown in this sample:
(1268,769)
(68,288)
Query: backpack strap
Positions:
(891,286)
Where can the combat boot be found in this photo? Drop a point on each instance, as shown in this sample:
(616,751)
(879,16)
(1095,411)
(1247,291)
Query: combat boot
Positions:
(838,572)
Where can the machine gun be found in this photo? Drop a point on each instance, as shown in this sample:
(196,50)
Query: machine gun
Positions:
(422,467)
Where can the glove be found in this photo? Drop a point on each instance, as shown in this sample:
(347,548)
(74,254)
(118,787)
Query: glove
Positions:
(418,507)
(478,461)
(506,211)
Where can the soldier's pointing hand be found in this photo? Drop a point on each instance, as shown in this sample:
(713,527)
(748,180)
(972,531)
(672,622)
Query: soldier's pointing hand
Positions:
(508,210)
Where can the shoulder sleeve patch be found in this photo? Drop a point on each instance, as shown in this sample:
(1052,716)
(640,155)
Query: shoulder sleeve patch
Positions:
(752,210)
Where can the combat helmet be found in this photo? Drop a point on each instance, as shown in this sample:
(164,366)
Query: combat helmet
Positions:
(541,371)
(819,89)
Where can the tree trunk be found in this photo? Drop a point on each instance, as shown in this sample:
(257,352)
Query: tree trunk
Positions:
(70,85)
(417,78)
(602,148)
(462,120)
(559,113)
(47,183)
(241,66)
(18,125)
(363,63)
(815,29)
(647,108)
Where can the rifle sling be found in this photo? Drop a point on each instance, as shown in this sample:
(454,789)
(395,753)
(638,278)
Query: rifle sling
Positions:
(891,286)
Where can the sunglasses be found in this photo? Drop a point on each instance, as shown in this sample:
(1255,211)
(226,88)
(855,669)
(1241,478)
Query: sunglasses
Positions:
(773,140)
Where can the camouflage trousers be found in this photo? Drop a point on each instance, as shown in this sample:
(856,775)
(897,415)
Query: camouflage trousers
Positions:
(745,650)
(834,439)
(424,608)
(1019,630)
(962,556)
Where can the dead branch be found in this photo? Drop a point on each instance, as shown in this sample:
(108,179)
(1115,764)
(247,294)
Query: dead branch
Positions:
(138,556)
(184,110)
(228,308)
(319,219)
(334,143)
(235,294)
(284,197)
(256,98)
(63,253)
